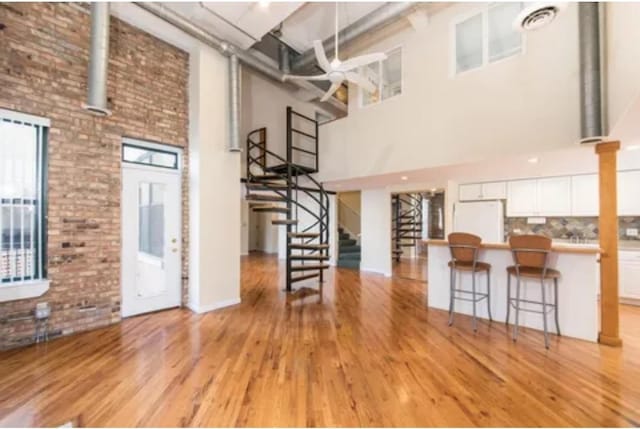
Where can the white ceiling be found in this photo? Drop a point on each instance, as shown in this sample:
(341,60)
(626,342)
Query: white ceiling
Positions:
(316,21)
(241,23)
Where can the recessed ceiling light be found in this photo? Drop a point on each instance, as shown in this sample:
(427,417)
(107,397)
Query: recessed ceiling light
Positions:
(533,160)
(633,147)
(404,178)
(264,3)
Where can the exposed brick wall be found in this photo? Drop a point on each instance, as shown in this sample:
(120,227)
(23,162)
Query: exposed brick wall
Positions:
(43,71)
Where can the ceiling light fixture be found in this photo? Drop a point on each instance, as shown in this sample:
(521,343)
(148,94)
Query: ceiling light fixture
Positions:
(404,178)
(633,147)
(533,160)
(264,3)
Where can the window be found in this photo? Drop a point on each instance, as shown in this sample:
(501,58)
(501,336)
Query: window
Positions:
(386,76)
(486,37)
(22,222)
(148,156)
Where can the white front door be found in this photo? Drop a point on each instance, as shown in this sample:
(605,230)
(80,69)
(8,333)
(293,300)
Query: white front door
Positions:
(151,268)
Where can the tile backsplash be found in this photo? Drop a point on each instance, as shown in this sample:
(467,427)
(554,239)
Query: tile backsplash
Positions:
(568,227)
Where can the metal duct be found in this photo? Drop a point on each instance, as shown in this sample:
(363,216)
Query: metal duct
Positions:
(591,129)
(284,59)
(98,59)
(234,100)
(373,21)
(227,48)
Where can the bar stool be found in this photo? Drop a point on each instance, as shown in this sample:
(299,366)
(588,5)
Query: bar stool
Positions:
(464,257)
(530,254)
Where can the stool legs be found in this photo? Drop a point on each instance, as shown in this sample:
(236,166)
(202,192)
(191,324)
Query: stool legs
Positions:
(452,283)
(473,288)
(544,313)
(508,298)
(515,327)
(555,292)
(489,294)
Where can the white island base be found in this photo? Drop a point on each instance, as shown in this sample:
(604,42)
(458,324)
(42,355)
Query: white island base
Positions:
(578,288)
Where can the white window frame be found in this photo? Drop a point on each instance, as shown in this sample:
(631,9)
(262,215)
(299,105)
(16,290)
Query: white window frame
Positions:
(15,290)
(361,91)
(484,11)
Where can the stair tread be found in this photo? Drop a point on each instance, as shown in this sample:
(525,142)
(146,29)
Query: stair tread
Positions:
(309,257)
(263,197)
(284,221)
(310,267)
(261,177)
(308,246)
(274,209)
(304,277)
(304,234)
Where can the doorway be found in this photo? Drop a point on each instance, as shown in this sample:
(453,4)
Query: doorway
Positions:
(151,228)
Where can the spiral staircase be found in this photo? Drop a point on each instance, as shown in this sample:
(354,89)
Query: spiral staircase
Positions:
(406,221)
(298,201)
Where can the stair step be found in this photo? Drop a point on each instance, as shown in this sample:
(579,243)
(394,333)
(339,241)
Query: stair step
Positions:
(265,186)
(409,230)
(349,242)
(348,263)
(284,221)
(407,245)
(262,177)
(345,236)
(304,234)
(350,256)
(398,251)
(408,237)
(263,197)
(309,257)
(305,277)
(310,267)
(272,209)
(350,249)
(302,246)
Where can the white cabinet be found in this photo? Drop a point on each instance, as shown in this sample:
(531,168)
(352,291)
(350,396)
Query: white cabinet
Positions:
(522,198)
(539,197)
(482,191)
(554,196)
(629,274)
(585,195)
(629,193)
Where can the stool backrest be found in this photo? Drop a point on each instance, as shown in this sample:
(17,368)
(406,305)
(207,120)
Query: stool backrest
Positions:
(464,247)
(530,250)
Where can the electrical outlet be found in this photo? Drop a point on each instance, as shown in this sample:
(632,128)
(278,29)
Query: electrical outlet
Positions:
(632,232)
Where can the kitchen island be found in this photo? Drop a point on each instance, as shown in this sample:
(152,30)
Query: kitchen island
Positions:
(578,287)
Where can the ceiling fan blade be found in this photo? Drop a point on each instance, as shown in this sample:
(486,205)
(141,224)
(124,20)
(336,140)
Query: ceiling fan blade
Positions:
(361,81)
(334,87)
(321,57)
(361,60)
(315,77)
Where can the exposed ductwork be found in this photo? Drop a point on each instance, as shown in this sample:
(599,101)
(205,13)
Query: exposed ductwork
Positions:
(227,48)
(284,58)
(98,60)
(591,119)
(234,116)
(371,22)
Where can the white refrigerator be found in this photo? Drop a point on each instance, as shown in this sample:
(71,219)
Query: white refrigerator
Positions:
(483,218)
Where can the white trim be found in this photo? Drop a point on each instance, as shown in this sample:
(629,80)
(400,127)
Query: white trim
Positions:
(25,117)
(373,271)
(211,307)
(23,290)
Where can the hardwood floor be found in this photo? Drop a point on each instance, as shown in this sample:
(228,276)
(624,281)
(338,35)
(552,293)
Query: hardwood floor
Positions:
(411,269)
(369,354)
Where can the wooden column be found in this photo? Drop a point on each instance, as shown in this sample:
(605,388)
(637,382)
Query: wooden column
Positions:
(608,226)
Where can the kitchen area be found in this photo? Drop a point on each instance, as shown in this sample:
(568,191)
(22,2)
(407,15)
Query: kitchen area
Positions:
(562,207)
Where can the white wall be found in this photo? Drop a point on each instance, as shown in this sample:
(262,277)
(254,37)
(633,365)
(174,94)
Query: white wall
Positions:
(523,103)
(376,231)
(214,187)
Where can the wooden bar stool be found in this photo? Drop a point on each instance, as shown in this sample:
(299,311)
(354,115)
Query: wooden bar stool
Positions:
(464,257)
(530,254)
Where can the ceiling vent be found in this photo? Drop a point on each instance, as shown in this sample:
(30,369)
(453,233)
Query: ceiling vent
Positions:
(537,15)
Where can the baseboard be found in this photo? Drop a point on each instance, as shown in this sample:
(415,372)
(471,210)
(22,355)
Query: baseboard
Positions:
(370,270)
(211,307)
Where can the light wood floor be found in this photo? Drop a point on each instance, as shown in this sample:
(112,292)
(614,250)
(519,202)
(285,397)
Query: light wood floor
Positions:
(411,269)
(369,354)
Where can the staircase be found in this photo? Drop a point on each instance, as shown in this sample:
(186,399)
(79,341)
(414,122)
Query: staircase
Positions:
(348,251)
(406,221)
(298,201)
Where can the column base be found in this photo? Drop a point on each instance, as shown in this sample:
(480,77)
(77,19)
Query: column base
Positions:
(609,341)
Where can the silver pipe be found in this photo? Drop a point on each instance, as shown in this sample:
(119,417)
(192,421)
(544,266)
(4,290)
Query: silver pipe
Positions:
(234,101)
(227,48)
(98,60)
(591,129)
(373,21)
(284,59)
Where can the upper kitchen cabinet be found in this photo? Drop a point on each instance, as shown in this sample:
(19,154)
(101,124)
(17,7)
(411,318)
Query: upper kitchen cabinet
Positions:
(482,191)
(585,195)
(629,193)
(539,197)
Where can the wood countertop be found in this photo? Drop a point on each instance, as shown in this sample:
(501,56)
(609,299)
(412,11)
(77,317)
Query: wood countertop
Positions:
(588,249)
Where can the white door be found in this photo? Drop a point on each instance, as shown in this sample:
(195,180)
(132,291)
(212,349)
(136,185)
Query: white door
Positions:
(151,268)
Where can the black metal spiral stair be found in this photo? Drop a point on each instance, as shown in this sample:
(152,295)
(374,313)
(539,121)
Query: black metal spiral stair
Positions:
(288,188)
(406,228)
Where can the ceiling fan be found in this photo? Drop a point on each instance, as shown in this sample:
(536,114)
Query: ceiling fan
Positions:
(338,71)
